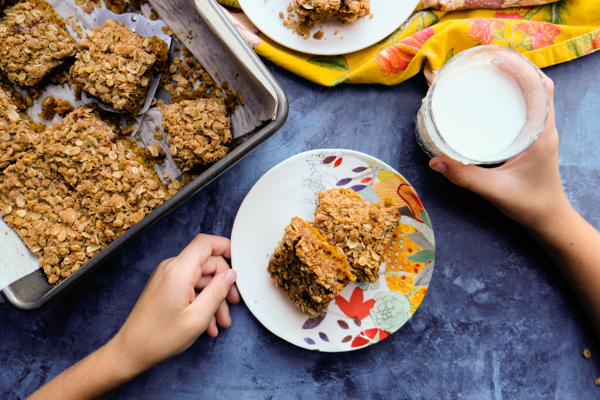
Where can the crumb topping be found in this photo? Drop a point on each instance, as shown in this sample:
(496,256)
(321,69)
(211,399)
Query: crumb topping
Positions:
(117,65)
(199,131)
(33,42)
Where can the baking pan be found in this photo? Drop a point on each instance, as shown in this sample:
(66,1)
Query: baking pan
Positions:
(252,80)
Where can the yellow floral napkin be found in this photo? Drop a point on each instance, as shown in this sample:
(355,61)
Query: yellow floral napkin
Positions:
(547,34)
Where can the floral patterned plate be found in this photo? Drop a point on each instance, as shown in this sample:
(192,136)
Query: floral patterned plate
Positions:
(338,38)
(363,313)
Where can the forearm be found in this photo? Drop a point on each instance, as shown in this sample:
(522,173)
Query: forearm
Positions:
(97,376)
(574,246)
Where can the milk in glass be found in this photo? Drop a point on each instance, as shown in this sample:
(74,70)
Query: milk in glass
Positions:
(483,109)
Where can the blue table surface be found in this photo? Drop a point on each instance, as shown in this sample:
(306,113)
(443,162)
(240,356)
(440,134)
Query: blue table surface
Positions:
(498,321)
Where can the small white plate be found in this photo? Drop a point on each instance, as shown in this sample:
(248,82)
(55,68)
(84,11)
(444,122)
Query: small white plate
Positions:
(363,313)
(388,15)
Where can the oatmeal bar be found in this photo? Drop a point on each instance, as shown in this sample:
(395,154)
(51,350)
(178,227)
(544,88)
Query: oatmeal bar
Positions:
(308,269)
(199,131)
(33,42)
(361,228)
(84,151)
(15,134)
(76,192)
(40,208)
(311,12)
(117,65)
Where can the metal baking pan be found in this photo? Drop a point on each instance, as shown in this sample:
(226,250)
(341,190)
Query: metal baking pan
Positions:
(251,79)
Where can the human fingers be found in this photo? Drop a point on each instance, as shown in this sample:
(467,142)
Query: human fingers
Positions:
(208,301)
(471,177)
(191,259)
(217,265)
(233,296)
(222,315)
(212,266)
(212,329)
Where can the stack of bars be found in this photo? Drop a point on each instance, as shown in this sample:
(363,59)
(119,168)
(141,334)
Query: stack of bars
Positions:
(315,261)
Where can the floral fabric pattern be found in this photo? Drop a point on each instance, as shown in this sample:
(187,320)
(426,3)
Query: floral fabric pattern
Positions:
(483,29)
(440,29)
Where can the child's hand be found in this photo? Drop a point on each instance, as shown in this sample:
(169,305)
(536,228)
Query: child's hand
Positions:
(526,188)
(169,315)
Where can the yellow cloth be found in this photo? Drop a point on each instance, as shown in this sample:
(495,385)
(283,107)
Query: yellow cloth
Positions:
(547,34)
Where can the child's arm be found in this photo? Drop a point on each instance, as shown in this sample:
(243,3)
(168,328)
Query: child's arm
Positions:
(167,319)
(528,189)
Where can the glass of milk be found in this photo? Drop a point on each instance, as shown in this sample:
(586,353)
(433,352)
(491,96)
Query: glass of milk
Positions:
(485,106)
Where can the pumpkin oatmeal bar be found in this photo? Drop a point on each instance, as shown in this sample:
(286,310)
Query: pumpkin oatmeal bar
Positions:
(98,166)
(311,12)
(308,269)
(116,65)
(76,192)
(15,133)
(199,131)
(360,228)
(39,207)
(33,42)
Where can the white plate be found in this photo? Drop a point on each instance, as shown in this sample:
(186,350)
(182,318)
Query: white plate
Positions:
(357,318)
(388,15)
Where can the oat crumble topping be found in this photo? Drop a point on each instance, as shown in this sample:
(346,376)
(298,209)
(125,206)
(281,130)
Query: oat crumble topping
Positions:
(198,131)
(117,65)
(33,42)
(361,228)
(15,134)
(76,191)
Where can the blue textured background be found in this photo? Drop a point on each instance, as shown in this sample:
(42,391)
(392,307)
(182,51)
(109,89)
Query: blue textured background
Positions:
(497,323)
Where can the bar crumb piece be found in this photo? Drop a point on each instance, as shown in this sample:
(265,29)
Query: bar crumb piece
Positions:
(308,269)
(52,106)
(116,6)
(15,133)
(319,34)
(117,65)
(198,131)
(33,42)
(360,228)
(597,382)
(587,353)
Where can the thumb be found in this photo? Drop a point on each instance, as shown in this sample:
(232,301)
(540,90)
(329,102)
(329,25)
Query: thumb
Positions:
(470,177)
(212,296)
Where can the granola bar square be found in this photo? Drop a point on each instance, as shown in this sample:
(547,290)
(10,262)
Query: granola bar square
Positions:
(38,205)
(15,133)
(308,269)
(199,131)
(76,192)
(117,65)
(360,228)
(85,152)
(33,42)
